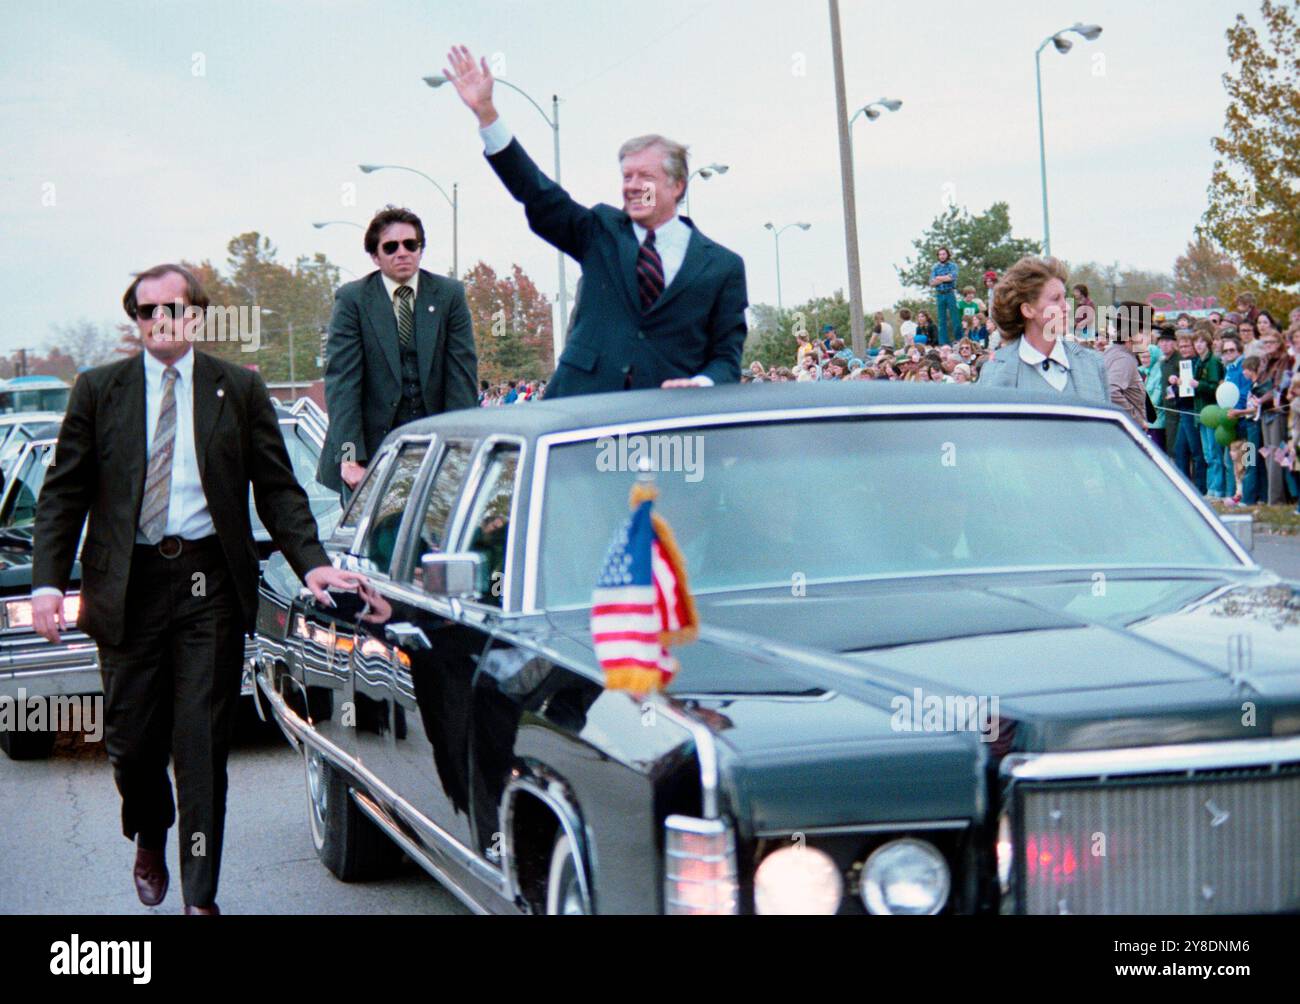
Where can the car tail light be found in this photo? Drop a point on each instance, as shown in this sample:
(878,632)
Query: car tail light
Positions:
(699,866)
(18,613)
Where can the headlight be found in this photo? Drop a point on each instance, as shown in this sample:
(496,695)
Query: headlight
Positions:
(798,880)
(905,877)
(18,613)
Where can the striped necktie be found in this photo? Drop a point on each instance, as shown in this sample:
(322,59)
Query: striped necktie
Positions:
(649,272)
(158,481)
(405,316)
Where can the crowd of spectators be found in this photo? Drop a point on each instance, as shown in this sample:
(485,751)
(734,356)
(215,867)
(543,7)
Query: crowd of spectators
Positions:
(1248,347)
(509,392)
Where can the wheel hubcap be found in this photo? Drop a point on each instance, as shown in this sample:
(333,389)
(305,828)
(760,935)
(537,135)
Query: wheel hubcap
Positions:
(316,791)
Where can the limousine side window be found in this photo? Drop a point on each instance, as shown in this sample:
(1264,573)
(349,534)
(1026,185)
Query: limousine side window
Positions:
(361,497)
(376,551)
(489,523)
(442,502)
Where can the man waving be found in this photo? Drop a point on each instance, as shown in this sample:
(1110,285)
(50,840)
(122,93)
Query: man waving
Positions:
(662,305)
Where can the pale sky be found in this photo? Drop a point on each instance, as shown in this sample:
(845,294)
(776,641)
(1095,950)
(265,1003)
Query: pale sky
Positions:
(119,153)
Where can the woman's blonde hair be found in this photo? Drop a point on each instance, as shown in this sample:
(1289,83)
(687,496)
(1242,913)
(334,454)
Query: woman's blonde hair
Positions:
(1022,283)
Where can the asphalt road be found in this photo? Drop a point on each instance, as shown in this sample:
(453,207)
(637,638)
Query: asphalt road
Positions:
(63,851)
(1278,553)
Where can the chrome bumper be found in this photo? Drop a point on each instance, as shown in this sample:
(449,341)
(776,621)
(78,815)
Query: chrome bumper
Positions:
(30,663)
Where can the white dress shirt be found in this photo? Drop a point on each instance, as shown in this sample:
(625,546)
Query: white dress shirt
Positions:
(187,509)
(671,238)
(413,282)
(1057,373)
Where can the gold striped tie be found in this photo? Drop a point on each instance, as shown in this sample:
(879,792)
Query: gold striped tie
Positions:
(158,482)
(405,316)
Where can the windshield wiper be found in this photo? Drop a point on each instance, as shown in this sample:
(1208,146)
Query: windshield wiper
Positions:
(15,536)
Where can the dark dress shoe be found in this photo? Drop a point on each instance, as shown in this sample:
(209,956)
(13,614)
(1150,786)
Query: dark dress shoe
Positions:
(202,911)
(150,876)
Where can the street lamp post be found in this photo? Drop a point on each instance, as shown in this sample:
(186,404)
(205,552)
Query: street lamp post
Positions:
(706,172)
(337,223)
(552,120)
(870,112)
(293,370)
(856,325)
(453,200)
(776,236)
(1063,45)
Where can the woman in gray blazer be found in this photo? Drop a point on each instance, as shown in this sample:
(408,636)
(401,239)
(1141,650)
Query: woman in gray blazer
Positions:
(1033,316)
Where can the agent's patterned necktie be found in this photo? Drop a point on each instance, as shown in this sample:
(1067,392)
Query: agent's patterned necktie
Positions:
(649,272)
(158,481)
(405,316)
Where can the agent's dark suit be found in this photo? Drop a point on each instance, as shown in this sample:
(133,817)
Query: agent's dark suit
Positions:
(697,326)
(363,364)
(170,631)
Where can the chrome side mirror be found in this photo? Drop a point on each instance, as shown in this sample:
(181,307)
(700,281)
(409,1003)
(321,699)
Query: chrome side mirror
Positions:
(452,576)
(1241,526)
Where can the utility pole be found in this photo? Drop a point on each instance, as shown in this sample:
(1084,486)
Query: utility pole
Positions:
(846,184)
(293,382)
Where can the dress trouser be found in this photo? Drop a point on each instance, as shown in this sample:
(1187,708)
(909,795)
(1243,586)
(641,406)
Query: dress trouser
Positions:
(1272,428)
(171,689)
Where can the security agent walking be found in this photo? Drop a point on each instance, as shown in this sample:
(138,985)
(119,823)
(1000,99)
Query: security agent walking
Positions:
(662,305)
(159,451)
(401,347)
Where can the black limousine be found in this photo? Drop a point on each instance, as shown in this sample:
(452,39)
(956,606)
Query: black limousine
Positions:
(960,651)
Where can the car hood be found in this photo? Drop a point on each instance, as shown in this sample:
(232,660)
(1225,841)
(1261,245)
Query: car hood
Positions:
(1074,662)
(807,741)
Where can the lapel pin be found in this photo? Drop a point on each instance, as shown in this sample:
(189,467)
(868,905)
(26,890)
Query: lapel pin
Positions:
(432,308)
(221,392)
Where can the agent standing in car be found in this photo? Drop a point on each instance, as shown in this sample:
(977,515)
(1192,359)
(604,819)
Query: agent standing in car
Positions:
(401,347)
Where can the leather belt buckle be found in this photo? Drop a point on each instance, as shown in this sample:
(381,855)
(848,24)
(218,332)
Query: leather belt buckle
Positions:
(170,547)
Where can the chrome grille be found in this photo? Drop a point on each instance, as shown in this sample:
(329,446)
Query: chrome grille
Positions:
(1194,843)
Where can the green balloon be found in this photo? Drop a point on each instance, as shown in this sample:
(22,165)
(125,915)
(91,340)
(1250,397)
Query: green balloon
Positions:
(1212,416)
(1224,436)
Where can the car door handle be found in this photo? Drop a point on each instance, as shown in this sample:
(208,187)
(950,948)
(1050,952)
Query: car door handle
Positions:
(406,635)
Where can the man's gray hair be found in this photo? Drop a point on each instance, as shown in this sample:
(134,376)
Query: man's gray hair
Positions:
(675,165)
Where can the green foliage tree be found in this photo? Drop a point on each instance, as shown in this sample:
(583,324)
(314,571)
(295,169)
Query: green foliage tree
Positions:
(1254,193)
(977,243)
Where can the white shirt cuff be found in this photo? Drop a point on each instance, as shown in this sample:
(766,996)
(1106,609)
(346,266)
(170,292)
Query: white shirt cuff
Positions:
(496,137)
(702,381)
(46,591)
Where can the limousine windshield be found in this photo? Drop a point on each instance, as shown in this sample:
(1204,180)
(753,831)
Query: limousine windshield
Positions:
(776,504)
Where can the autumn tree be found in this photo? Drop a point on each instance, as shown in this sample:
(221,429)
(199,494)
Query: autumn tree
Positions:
(1203,269)
(512,324)
(1254,211)
(1115,283)
(301,295)
(85,342)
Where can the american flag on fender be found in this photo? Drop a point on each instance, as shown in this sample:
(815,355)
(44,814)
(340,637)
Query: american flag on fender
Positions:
(641,604)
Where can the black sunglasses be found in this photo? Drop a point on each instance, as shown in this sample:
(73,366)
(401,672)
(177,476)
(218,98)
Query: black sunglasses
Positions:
(146,311)
(390,247)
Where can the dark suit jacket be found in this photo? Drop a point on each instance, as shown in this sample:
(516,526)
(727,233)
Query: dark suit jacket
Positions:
(99,470)
(363,368)
(696,326)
